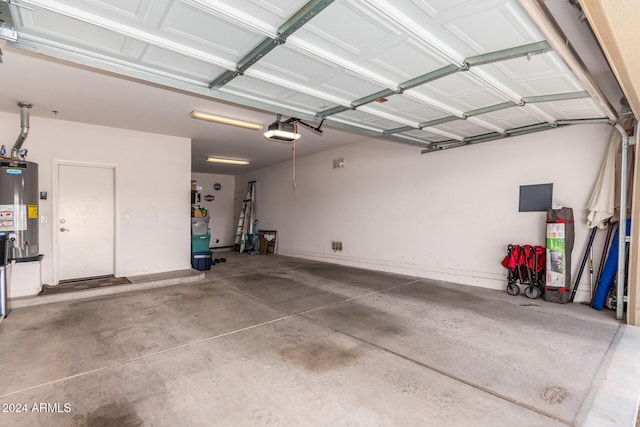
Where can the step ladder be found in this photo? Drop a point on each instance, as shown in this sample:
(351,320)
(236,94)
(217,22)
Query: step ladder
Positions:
(247,221)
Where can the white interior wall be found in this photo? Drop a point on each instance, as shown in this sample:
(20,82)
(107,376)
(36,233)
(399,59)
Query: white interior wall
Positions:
(447,215)
(152,188)
(220,209)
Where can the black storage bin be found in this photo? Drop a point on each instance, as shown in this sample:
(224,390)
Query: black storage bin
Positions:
(201,261)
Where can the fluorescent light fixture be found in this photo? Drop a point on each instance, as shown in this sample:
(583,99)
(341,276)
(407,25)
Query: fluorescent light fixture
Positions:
(224,120)
(228,161)
(281,132)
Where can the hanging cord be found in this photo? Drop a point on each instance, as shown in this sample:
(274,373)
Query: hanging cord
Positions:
(293,172)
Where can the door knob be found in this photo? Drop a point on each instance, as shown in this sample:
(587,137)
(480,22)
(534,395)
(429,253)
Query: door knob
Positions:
(64,229)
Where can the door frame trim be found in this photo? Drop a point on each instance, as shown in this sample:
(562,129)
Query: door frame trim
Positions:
(55,241)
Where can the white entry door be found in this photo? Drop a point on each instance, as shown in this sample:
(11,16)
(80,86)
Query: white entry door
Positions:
(85,222)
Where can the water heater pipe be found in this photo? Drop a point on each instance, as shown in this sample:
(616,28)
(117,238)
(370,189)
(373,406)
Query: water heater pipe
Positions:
(24,131)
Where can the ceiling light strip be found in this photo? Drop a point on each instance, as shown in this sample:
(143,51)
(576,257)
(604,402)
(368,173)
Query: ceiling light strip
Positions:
(131,32)
(225,161)
(301,17)
(224,120)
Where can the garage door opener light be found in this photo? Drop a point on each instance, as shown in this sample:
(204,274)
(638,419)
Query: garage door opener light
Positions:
(282,132)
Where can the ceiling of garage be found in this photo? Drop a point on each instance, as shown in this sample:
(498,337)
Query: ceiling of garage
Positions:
(433,73)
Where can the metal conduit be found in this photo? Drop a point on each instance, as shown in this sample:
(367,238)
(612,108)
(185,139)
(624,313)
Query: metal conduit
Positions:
(540,14)
(622,225)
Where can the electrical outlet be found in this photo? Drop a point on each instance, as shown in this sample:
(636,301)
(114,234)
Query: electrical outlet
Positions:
(336,246)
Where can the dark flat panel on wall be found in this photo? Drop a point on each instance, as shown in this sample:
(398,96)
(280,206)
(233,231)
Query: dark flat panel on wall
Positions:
(535,198)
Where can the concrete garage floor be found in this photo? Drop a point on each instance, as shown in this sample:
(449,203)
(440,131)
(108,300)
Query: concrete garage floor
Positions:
(271,340)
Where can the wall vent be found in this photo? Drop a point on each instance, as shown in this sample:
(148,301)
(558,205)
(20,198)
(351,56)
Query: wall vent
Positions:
(336,246)
(338,163)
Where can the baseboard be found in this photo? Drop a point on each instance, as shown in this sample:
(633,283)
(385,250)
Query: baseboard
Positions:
(480,279)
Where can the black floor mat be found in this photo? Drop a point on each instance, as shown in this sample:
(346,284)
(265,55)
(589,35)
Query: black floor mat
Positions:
(83,284)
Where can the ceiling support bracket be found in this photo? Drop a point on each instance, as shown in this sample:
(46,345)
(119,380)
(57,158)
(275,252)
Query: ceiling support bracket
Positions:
(490,108)
(555,97)
(542,17)
(440,121)
(486,58)
(428,77)
(398,130)
(523,130)
(527,50)
(334,110)
(373,97)
(301,17)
